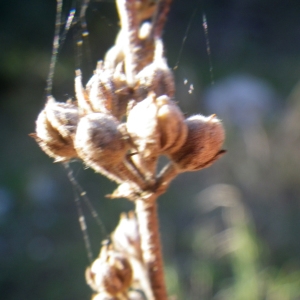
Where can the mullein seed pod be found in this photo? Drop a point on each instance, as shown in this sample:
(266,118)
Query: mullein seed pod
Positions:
(55,129)
(106,90)
(156,126)
(100,144)
(62,116)
(171,125)
(111,273)
(103,147)
(203,144)
(100,90)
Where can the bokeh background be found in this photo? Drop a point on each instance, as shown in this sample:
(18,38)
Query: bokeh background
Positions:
(229,232)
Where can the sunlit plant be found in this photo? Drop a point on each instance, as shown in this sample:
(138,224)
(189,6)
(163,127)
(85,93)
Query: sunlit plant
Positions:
(121,123)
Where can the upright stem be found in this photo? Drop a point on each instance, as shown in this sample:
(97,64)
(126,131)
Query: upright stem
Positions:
(129,27)
(146,211)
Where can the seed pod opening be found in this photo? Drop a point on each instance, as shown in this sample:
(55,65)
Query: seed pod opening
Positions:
(203,144)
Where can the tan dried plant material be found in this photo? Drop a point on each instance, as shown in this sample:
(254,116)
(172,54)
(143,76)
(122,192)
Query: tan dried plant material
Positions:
(156,77)
(111,273)
(126,237)
(156,125)
(133,81)
(55,129)
(203,145)
(106,92)
(101,145)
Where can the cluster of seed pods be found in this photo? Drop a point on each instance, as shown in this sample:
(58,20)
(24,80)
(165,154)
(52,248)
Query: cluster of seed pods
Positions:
(123,120)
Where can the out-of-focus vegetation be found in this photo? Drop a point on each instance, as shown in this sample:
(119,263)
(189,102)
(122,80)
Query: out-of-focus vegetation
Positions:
(229,232)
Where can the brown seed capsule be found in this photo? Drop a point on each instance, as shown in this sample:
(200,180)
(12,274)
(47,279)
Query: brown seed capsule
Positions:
(55,128)
(171,125)
(106,91)
(100,90)
(63,117)
(203,144)
(156,126)
(99,143)
(110,273)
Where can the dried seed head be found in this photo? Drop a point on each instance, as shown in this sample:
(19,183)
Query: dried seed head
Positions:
(171,125)
(110,273)
(62,116)
(100,90)
(203,144)
(104,91)
(142,126)
(98,141)
(55,128)
(156,126)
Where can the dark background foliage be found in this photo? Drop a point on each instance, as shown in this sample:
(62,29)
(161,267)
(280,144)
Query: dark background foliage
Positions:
(255,53)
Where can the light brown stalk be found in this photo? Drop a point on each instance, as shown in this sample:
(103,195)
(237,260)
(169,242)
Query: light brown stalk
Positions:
(146,211)
(129,27)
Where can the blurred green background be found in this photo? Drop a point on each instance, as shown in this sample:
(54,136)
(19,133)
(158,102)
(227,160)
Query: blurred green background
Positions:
(229,232)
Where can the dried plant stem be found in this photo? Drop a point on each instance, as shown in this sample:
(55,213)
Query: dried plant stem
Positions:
(129,25)
(146,211)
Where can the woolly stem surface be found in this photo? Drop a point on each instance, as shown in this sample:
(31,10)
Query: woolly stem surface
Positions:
(146,211)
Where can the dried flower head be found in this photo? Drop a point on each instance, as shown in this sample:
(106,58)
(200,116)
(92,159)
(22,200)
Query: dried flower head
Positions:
(100,144)
(156,125)
(55,129)
(203,144)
